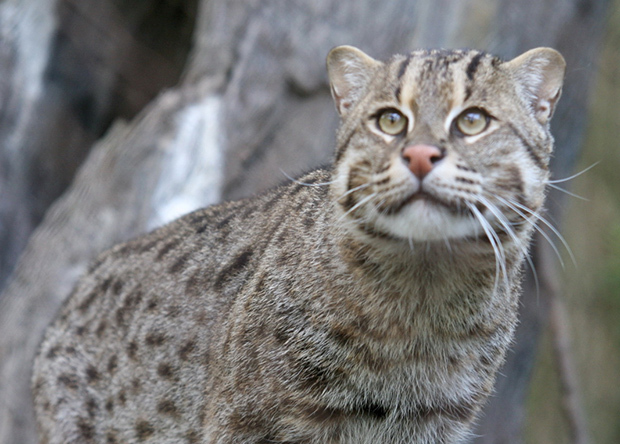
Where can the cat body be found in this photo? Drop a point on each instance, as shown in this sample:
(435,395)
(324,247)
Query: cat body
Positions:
(371,302)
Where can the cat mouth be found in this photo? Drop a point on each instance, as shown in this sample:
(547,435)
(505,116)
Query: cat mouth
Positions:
(423,216)
(430,200)
(423,196)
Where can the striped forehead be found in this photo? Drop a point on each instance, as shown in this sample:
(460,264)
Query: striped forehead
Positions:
(440,76)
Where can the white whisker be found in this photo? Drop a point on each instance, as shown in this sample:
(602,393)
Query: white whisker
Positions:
(353,190)
(552,228)
(306,184)
(575,175)
(506,224)
(516,206)
(535,218)
(501,218)
(567,192)
(534,273)
(498,249)
(357,205)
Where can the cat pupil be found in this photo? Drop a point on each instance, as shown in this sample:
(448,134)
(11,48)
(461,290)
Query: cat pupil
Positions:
(392,122)
(472,118)
(472,122)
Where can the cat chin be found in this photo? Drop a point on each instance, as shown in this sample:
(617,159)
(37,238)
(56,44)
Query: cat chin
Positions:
(424,221)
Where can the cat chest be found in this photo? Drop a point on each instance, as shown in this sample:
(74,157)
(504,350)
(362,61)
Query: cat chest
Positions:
(410,401)
(413,387)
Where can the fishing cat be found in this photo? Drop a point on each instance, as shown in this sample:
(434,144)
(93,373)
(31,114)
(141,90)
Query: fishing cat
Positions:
(369,302)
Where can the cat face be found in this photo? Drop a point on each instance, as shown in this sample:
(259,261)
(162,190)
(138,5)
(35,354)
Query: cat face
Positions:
(443,144)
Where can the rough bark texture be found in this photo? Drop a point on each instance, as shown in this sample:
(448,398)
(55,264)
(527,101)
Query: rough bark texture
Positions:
(253,106)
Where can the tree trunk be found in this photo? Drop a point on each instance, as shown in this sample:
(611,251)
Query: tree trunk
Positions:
(253,106)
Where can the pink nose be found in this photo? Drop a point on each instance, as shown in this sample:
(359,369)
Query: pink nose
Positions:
(421,158)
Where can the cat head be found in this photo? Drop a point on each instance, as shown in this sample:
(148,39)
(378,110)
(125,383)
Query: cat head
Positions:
(443,144)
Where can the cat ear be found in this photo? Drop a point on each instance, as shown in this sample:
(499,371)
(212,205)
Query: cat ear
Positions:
(350,71)
(540,72)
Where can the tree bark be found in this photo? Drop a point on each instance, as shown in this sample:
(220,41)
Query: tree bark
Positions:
(253,106)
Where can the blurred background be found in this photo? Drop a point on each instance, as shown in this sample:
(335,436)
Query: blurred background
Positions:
(591,289)
(117,116)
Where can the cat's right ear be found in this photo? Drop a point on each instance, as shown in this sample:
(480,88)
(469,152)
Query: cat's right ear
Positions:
(540,72)
(349,71)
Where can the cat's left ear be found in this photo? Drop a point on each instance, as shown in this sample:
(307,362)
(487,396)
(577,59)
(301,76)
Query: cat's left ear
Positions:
(350,70)
(540,72)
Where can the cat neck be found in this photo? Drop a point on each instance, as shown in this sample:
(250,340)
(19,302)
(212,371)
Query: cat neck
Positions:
(443,267)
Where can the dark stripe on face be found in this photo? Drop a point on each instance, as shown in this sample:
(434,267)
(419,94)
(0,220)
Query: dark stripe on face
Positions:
(401,72)
(342,148)
(530,149)
(471,71)
(403,66)
(511,180)
(473,65)
(351,199)
(446,60)
(374,232)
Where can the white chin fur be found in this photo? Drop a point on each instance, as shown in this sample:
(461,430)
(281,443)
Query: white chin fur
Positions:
(425,221)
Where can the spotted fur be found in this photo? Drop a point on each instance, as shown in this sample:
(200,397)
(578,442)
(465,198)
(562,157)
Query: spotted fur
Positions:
(357,305)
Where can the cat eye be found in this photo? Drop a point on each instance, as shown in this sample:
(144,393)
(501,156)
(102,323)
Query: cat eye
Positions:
(472,121)
(392,122)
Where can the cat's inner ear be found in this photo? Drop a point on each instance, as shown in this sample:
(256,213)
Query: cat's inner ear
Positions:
(540,72)
(350,70)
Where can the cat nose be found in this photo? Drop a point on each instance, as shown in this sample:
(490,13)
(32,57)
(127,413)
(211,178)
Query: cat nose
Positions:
(421,159)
